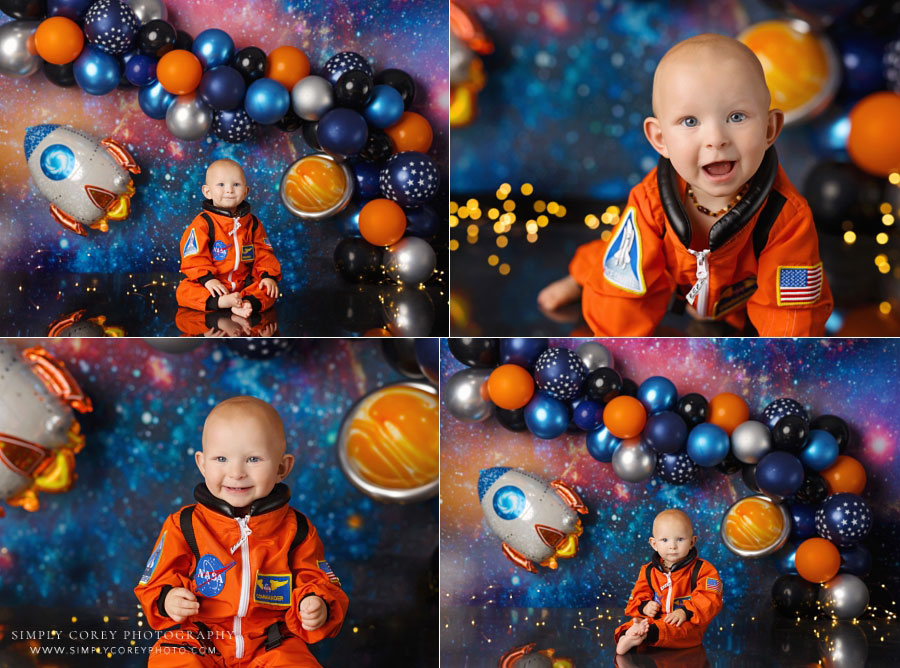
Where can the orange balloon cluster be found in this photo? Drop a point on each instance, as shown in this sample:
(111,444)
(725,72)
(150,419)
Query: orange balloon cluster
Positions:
(411,133)
(845,475)
(382,222)
(874,140)
(179,72)
(510,386)
(58,40)
(727,410)
(287,65)
(625,417)
(817,560)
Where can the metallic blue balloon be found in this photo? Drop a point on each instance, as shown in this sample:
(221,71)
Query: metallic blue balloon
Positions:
(665,432)
(780,408)
(222,88)
(821,450)
(421,221)
(344,62)
(803,522)
(844,519)
(601,444)
(71,9)
(409,178)
(708,444)
(342,132)
(140,69)
(523,352)
(347,220)
(267,101)
(213,47)
(96,72)
(233,125)
(559,372)
(779,473)
(676,467)
(856,559)
(155,100)
(367,187)
(785,559)
(111,26)
(588,415)
(385,107)
(657,394)
(546,417)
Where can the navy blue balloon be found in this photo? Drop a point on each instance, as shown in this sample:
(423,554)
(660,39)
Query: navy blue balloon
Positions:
(844,519)
(856,559)
(546,417)
(344,62)
(559,372)
(222,88)
(267,101)
(803,521)
(347,220)
(213,47)
(385,107)
(111,26)
(779,473)
(657,394)
(155,100)
(588,415)
(367,175)
(342,132)
(601,444)
(234,125)
(428,357)
(821,450)
(410,178)
(708,444)
(781,407)
(141,69)
(524,352)
(665,432)
(676,467)
(96,72)
(861,54)
(71,9)
(421,221)
(785,559)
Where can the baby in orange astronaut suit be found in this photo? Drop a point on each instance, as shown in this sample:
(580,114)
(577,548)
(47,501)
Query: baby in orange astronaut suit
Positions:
(241,573)
(225,253)
(676,595)
(716,222)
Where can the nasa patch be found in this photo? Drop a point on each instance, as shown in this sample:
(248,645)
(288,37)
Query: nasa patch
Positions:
(247,254)
(273,589)
(622,264)
(219,251)
(191,247)
(152,561)
(209,579)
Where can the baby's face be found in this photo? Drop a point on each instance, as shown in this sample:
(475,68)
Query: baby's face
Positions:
(225,185)
(672,539)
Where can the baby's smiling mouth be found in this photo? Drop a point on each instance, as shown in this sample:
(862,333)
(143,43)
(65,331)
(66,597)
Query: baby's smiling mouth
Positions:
(719,168)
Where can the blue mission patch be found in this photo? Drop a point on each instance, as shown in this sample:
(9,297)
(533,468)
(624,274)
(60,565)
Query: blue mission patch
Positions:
(247,254)
(191,248)
(210,575)
(152,561)
(219,251)
(273,589)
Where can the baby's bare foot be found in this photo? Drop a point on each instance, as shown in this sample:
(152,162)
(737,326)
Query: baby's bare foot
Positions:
(559,293)
(230,300)
(633,637)
(244,309)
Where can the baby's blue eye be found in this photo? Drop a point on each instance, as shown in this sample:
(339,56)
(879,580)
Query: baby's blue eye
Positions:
(689,122)
(664,539)
(220,459)
(253,459)
(737,117)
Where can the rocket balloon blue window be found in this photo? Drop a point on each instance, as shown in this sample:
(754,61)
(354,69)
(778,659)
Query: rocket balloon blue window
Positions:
(57,162)
(509,502)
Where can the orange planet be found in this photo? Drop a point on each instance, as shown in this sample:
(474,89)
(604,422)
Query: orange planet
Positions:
(754,527)
(316,187)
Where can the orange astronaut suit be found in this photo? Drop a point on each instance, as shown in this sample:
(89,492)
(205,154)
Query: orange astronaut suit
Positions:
(692,585)
(238,253)
(249,575)
(761,261)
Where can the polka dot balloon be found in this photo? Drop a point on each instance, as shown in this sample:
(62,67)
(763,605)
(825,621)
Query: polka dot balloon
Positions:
(676,468)
(343,62)
(780,408)
(409,178)
(111,26)
(844,519)
(234,126)
(559,373)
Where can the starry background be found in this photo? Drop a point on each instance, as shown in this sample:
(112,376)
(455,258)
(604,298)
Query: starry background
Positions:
(491,605)
(411,36)
(83,551)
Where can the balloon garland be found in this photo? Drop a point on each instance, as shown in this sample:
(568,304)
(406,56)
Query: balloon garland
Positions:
(204,84)
(807,490)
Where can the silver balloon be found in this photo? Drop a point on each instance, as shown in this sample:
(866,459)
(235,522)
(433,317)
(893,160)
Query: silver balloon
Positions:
(594,355)
(18,57)
(311,97)
(844,596)
(634,461)
(750,441)
(843,646)
(465,395)
(410,261)
(408,310)
(460,59)
(148,10)
(189,118)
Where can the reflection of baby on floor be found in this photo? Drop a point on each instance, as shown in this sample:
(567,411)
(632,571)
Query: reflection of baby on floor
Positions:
(191,322)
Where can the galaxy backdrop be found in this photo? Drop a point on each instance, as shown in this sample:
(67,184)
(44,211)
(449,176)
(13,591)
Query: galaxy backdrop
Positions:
(854,379)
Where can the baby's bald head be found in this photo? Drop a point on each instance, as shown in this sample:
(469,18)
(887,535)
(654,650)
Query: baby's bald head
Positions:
(225,415)
(672,518)
(223,169)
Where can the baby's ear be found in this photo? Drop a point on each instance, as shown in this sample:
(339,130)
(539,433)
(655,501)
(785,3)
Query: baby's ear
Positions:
(206,191)
(286,465)
(773,126)
(198,459)
(653,132)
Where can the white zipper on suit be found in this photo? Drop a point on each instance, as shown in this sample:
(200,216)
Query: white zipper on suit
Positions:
(700,289)
(237,252)
(245,582)
(668,586)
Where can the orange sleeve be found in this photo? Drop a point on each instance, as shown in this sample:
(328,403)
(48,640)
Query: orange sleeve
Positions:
(706,599)
(196,260)
(642,593)
(169,566)
(793,245)
(265,263)
(312,575)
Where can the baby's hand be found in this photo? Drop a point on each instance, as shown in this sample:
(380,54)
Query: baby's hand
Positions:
(559,293)
(651,609)
(216,287)
(270,286)
(676,617)
(181,604)
(313,612)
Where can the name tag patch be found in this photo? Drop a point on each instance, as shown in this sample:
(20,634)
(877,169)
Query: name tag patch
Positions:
(247,253)
(622,264)
(152,561)
(273,589)
(734,295)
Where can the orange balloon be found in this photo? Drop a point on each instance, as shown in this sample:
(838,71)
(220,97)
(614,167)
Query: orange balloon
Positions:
(382,222)
(287,65)
(510,386)
(817,560)
(179,72)
(58,40)
(845,475)
(727,410)
(411,133)
(625,417)
(873,142)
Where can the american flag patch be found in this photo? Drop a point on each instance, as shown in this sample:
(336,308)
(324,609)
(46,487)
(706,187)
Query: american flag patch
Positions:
(325,568)
(799,285)
(712,584)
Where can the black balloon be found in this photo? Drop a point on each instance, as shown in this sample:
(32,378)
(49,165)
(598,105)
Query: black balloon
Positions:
(748,474)
(24,9)
(813,490)
(795,596)
(308,130)
(476,352)
(514,420)
(357,309)
(399,81)
(401,354)
(251,63)
(378,147)
(692,408)
(790,434)
(603,384)
(839,191)
(629,388)
(834,426)
(290,122)
(730,464)
(353,89)
(358,260)
(61,75)
(184,41)
(156,38)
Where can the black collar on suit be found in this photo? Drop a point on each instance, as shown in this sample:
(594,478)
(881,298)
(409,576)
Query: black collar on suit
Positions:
(242,209)
(732,222)
(657,561)
(278,497)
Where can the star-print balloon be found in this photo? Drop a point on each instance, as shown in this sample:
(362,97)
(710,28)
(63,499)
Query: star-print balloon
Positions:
(409,178)
(781,407)
(111,26)
(559,373)
(344,62)
(677,468)
(844,519)
(234,125)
